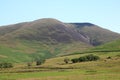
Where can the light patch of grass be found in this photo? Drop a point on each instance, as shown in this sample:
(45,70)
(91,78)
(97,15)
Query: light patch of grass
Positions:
(2,56)
(80,77)
(83,65)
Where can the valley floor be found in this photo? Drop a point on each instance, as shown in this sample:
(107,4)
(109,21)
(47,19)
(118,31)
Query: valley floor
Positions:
(56,69)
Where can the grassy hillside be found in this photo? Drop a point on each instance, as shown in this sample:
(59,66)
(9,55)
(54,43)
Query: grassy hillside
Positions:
(27,51)
(111,46)
(47,38)
(59,61)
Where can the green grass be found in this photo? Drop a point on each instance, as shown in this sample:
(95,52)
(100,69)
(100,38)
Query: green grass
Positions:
(63,75)
(109,47)
(56,69)
(27,51)
(36,74)
(9,55)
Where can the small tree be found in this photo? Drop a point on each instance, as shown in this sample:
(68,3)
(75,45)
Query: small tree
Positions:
(39,62)
(29,64)
(109,57)
(66,60)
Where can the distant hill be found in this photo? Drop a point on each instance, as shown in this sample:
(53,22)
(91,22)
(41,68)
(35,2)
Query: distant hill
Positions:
(48,37)
(43,30)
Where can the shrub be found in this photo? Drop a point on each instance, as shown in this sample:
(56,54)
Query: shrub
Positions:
(108,57)
(75,60)
(6,65)
(90,57)
(39,62)
(84,58)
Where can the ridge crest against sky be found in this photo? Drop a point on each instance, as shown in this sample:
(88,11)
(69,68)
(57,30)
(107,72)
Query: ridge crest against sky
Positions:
(105,13)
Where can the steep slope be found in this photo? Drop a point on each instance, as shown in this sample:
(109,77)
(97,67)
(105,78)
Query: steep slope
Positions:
(96,34)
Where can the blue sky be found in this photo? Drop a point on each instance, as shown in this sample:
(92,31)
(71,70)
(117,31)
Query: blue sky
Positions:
(105,13)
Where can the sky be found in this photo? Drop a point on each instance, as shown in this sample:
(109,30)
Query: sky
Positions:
(104,13)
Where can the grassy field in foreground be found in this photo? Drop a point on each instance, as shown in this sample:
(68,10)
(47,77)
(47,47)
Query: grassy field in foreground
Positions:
(63,75)
(56,69)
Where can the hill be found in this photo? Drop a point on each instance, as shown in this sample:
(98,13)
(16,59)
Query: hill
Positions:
(45,30)
(47,38)
(111,46)
(96,34)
